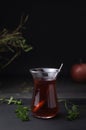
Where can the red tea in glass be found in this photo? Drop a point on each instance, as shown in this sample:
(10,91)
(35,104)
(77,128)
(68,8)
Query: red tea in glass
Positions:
(44,100)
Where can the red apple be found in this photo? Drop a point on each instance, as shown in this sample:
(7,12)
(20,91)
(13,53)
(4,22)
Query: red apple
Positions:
(78,72)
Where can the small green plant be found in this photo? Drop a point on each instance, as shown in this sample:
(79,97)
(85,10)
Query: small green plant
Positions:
(22,112)
(72,112)
(10,100)
(13,43)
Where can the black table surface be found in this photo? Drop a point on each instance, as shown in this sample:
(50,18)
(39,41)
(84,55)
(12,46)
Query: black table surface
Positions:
(9,121)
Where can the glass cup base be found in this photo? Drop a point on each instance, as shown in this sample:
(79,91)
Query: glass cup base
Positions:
(45,117)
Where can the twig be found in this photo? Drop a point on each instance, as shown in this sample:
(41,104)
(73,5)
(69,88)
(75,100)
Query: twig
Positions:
(10,60)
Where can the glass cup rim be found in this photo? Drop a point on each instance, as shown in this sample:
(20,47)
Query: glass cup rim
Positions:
(43,70)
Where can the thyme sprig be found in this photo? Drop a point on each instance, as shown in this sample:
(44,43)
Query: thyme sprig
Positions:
(10,100)
(13,43)
(72,110)
(22,112)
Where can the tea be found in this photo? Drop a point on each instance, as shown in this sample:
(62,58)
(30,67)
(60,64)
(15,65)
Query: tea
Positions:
(44,101)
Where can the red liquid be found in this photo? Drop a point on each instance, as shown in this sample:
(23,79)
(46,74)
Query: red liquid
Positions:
(44,103)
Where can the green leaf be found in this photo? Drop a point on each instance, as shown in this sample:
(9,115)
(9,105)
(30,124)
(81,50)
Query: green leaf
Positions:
(22,113)
(73,112)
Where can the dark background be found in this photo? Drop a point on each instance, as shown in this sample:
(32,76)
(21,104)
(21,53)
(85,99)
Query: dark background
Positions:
(56,30)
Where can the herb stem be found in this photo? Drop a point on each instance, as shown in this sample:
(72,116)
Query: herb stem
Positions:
(5,65)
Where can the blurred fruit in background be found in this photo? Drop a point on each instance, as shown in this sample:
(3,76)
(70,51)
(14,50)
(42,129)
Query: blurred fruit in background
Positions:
(78,72)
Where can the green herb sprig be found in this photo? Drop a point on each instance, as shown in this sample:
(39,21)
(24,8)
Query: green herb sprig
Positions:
(11,100)
(22,112)
(71,109)
(12,43)
(73,112)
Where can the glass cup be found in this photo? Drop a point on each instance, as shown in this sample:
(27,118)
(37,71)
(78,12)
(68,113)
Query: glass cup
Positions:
(44,99)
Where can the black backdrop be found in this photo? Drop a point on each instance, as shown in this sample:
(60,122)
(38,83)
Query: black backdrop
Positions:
(56,30)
